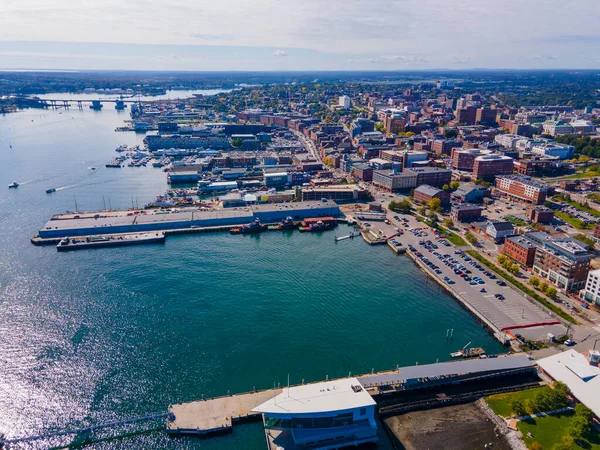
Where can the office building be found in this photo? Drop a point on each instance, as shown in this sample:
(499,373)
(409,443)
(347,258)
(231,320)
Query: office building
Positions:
(394,181)
(344,101)
(521,188)
(433,176)
(466,212)
(564,262)
(486,167)
(591,291)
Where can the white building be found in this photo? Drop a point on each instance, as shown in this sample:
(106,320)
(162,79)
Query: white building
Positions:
(580,373)
(591,291)
(550,148)
(582,126)
(326,415)
(344,101)
(508,140)
(557,127)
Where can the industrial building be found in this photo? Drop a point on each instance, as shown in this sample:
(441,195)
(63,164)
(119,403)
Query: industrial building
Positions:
(84,224)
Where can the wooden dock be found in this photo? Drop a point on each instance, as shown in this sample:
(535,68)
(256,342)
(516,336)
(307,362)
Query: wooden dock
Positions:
(216,415)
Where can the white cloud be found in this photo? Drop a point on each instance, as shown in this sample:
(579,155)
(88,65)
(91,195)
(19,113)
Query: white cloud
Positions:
(279,53)
(361,31)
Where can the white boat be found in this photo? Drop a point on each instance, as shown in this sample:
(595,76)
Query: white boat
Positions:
(14,184)
(92,168)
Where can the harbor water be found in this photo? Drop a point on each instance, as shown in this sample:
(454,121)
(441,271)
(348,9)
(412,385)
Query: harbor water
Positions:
(97,335)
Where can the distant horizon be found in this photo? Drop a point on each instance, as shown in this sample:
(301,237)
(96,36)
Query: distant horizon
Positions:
(370,71)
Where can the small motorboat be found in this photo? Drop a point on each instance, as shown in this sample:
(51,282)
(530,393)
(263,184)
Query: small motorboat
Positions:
(92,168)
(50,191)
(14,184)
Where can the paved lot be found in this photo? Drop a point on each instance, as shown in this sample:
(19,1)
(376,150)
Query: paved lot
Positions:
(513,310)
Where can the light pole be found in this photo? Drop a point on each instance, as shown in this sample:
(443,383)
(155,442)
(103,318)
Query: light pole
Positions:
(595,343)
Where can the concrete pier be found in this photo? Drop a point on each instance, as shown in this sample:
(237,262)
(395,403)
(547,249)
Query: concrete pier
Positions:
(216,415)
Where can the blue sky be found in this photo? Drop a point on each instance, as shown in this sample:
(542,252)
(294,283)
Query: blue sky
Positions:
(299,34)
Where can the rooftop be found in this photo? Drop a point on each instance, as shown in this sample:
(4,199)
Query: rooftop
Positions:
(328,396)
(582,378)
(428,190)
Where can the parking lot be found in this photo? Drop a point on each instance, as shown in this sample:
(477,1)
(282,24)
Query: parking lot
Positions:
(489,296)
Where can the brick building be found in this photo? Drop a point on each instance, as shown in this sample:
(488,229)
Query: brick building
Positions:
(486,167)
(564,262)
(539,214)
(426,193)
(521,188)
(464,159)
(520,250)
(466,212)
(433,176)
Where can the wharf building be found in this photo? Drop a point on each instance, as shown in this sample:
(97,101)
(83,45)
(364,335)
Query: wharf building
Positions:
(521,188)
(591,291)
(327,415)
(86,224)
(337,192)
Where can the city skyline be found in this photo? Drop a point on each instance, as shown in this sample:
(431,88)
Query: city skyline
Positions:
(284,35)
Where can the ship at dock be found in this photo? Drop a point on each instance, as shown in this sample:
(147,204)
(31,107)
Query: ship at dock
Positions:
(286,224)
(318,224)
(253,227)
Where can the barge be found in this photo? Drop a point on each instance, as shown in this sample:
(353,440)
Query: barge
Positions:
(79,243)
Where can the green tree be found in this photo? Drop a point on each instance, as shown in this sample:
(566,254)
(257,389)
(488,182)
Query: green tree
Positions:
(544,286)
(584,411)
(551,292)
(445,187)
(514,269)
(471,238)
(579,428)
(517,408)
(454,185)
(502,259)
(422,210)
(448,223)
(535,445)
(237,142)
(534,281)
(412,193)
(567,443)
(433,216)
(435,204)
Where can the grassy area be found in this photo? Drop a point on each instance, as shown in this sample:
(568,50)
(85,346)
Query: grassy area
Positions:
(517,222)
(578,206)
(576,223)
(501,403)
(580,175)
(547,303)
(550,430)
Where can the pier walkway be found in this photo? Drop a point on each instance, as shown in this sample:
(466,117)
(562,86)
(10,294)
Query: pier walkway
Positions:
(216,415)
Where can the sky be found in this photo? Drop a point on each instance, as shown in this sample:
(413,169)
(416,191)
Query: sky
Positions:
(299,34)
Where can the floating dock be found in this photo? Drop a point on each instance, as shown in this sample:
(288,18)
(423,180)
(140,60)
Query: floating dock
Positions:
(98,241)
